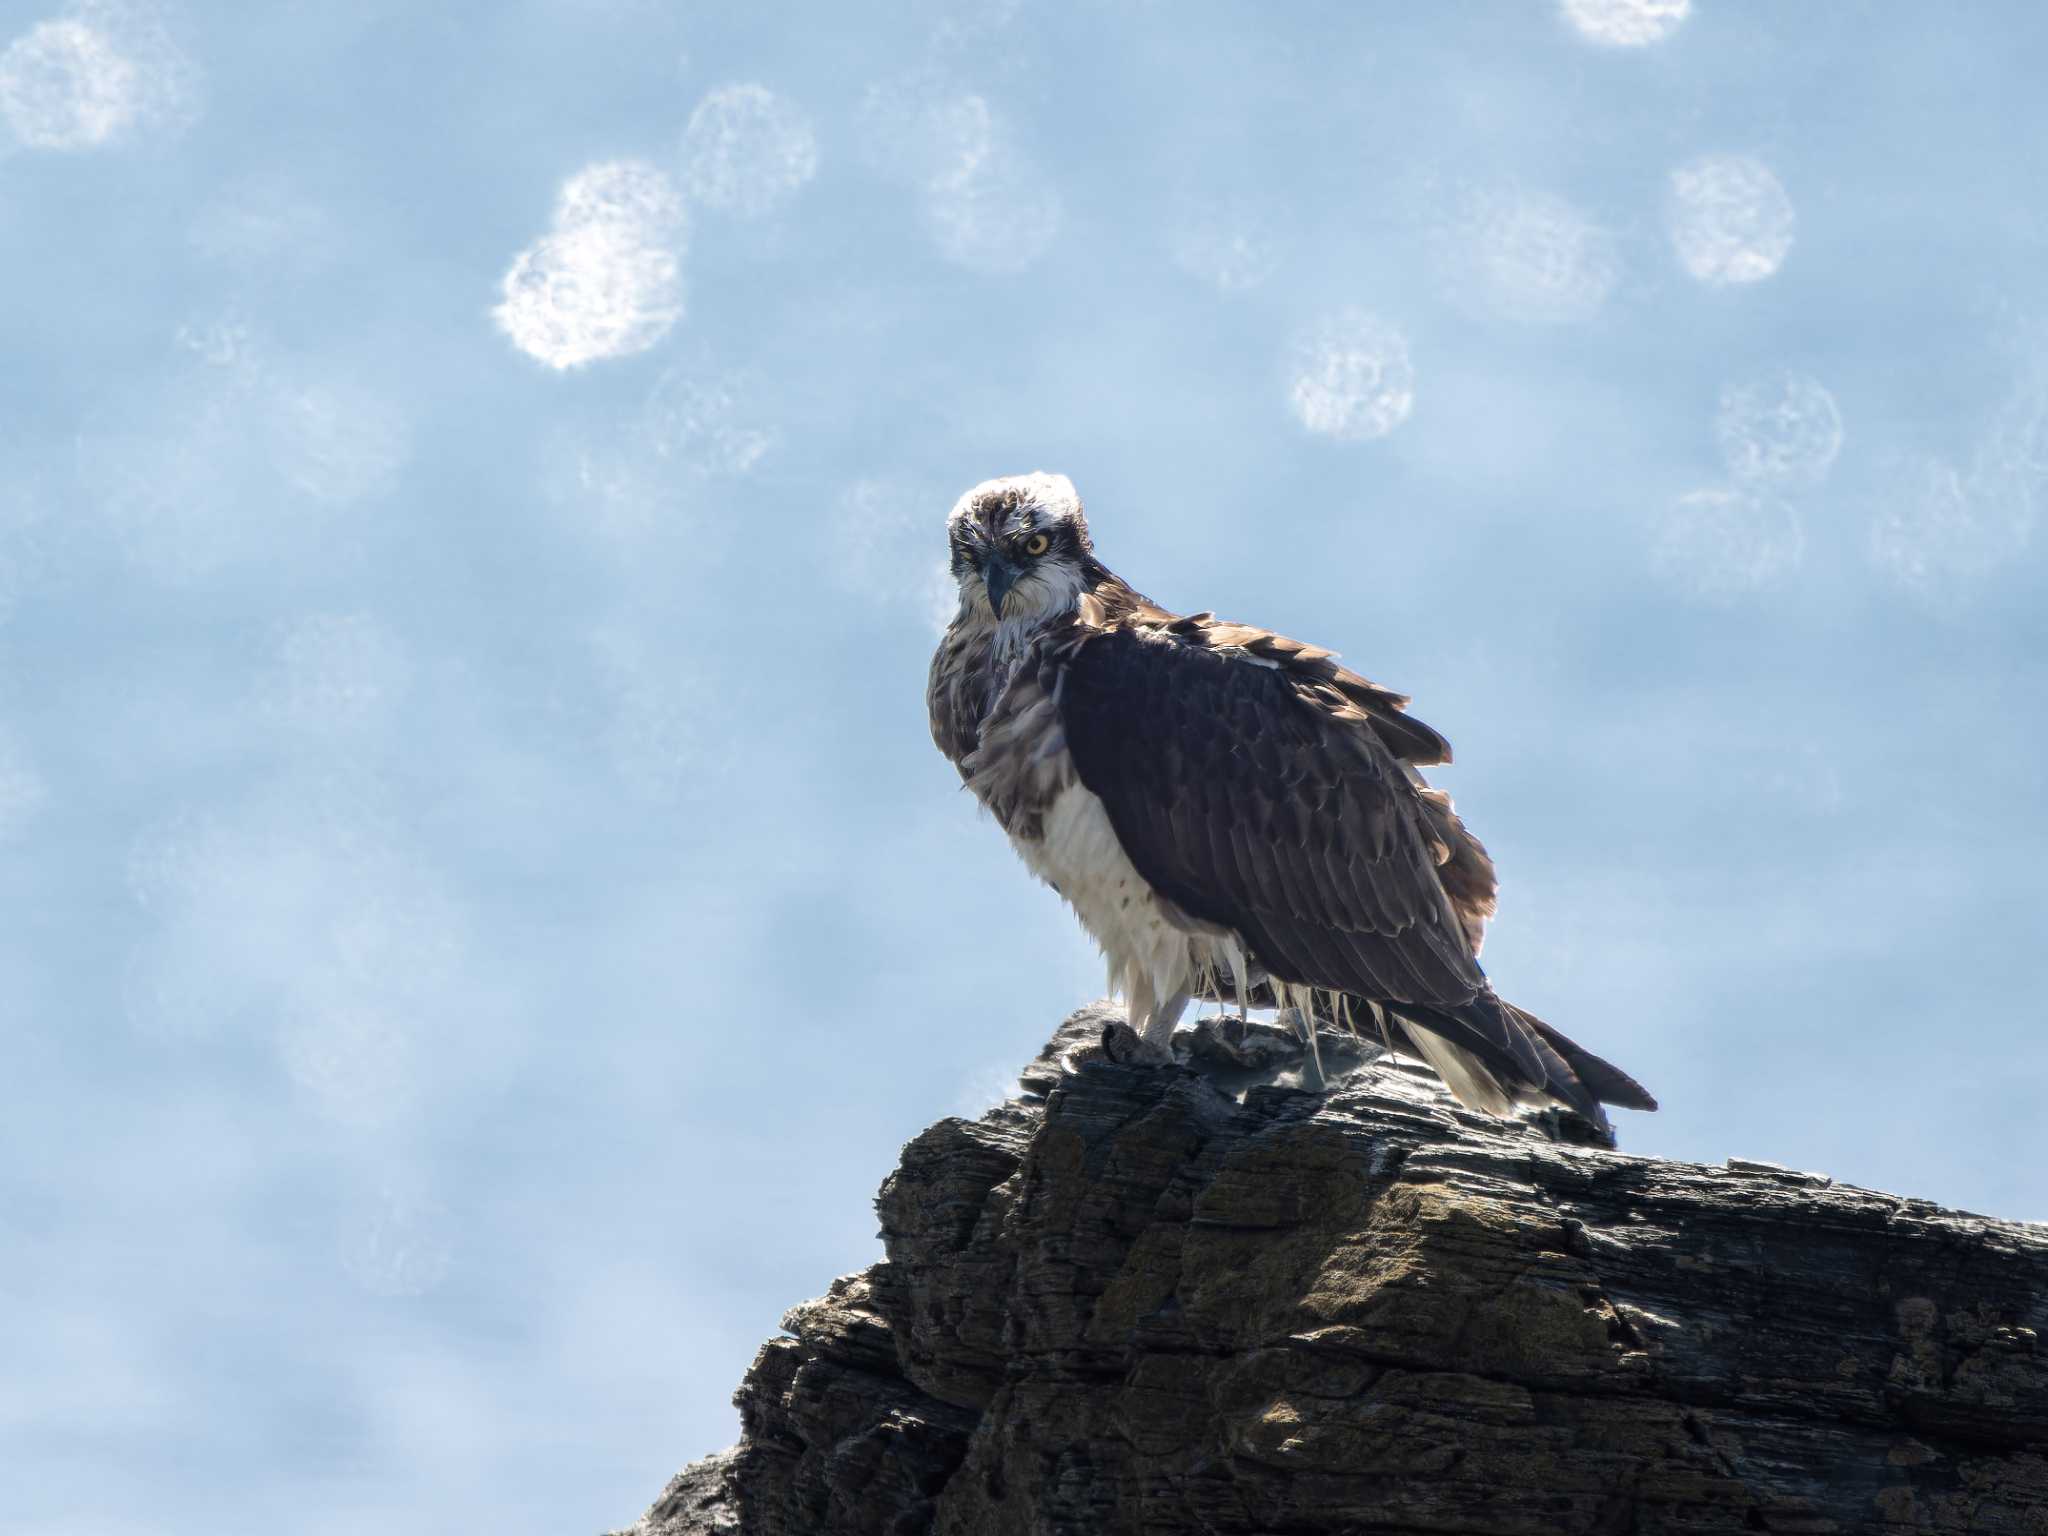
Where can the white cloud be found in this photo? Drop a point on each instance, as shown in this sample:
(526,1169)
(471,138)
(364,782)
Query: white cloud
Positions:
(747,151)
(1350,377)
(606,281)
(1625,23)
(1722,543)
(1782,429)
(96,75)
(1729,219)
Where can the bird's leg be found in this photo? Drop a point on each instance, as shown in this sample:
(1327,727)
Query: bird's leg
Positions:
(1138,1000)
(1150,1026)
(1234,954)
(1158,1029)
(1207,988)
(1304,1001)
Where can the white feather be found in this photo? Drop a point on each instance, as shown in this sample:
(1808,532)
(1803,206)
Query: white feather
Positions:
(1468,1080)
(1150,958)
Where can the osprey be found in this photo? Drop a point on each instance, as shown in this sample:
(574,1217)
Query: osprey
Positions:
(1229,812)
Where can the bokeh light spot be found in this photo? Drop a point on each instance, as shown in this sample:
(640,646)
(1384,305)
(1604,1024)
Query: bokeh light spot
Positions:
(1941,532)
(1531,256)
(606,281)
(96,75)
(1784,429)
(403,1249)
(1729,218)
(986,205)
(747,151)
(1626,23)
(1233,242)
(1350,377)
(63,86)
(1723,543)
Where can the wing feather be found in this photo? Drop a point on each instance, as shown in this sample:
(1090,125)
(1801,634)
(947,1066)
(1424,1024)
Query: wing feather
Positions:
(1259,795)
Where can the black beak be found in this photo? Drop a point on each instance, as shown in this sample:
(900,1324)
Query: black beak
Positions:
(998,575)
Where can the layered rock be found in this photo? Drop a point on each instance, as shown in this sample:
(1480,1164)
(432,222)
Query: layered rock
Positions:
(1193,1298)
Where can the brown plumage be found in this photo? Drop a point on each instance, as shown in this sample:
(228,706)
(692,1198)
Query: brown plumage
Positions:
(1271,831)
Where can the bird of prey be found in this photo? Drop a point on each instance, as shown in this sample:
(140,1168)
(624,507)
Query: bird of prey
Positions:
(1229,812)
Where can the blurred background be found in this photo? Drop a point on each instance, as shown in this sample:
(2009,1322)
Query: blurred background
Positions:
(482,906)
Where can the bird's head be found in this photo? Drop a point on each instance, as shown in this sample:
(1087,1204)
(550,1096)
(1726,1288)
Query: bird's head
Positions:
(1020,547)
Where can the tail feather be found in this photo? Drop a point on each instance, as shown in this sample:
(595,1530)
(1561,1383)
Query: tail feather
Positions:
(1609,1084)
(1463,1072)
(1494,1054)
(1491,1054)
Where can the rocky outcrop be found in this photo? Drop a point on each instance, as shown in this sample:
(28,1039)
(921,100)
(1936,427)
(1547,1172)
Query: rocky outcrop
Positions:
(1193,1298)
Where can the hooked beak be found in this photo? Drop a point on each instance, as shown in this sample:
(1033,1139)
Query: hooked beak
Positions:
(998,575)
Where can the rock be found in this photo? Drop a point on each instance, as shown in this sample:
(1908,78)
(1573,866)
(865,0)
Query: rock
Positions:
(1162,1298)
(697,1502)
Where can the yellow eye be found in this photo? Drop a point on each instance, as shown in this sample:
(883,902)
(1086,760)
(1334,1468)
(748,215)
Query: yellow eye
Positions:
(1037,544)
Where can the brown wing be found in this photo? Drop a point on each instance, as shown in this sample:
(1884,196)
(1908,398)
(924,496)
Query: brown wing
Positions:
(1465,870)
(1263,789)
(1259,796)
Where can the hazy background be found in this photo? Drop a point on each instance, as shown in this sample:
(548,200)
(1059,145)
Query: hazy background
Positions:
(482,907)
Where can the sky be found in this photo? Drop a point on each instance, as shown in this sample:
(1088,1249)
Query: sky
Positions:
(485,908)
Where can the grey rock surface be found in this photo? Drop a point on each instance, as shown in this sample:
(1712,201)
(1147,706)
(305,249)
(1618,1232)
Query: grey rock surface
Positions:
(698,1501)
(1159,1298)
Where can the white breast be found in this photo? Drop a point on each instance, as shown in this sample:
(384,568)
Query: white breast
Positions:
(1078,854)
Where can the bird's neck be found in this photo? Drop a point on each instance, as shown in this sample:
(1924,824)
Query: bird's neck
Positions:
(1104,601)
(1010,638)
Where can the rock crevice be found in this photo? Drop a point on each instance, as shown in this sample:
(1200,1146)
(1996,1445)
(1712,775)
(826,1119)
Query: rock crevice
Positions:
(1193,1298)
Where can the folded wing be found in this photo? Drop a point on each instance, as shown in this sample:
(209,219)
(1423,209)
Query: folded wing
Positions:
(1267,792)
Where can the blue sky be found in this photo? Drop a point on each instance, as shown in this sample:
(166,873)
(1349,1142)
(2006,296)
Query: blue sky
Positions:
(486,910)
